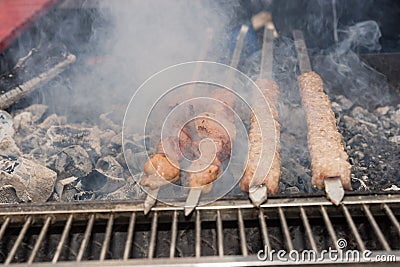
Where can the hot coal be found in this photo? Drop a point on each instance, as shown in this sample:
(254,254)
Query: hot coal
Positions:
(373,146)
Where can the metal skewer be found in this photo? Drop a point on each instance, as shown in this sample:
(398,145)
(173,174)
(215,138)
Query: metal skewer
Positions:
(152,193)
(259,194)
(195,193)
(151,199)
(333,185)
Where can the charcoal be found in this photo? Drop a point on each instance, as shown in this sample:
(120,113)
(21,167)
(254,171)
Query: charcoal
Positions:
(37,111)
(114,147)
(135,161)
(108,123)
(71,161)
(82,196)
(31,142)
(100,183)
(9,163)
(62,184)
(382,110)
(8,147)
(23,123)
(359,113)
(392,188)
(343,102)
(64,136)
(53,120)
(8,195)
(72,193)
(121,160)
(395,117)
(128,191)
(106,136)
(395,139)
(110,166)
(31,181)
(6,125)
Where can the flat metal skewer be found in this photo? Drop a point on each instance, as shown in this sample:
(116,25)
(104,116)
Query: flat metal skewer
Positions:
(151,199)
(195,193)
(259,194)
(152,193)
(333,185)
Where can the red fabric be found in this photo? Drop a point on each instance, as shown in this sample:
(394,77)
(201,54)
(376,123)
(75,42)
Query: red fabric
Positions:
(17,15)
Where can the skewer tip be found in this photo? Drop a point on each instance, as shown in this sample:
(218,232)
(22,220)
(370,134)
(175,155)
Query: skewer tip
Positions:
(188,210)
(192,200)
(148,204)
(334,189)
(151,200)
(258,195)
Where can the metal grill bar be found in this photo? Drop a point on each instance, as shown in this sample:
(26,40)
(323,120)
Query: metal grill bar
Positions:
(4,227)
(198,234)
(174,232)
(220,235)
(21,235)
(392,218)
(375,226)
(263,226)
(307,227)
(86,238)
(243,220)
(242,233)
(285,229)
(64,236)
(107,237)
(353,228)
(329,226)
(40,239)
(153,235)
(129,237)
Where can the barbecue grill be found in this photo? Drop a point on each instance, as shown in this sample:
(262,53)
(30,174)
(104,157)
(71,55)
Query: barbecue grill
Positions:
(229,232)
(363,229)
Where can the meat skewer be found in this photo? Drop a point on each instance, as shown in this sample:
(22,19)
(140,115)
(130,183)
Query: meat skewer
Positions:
(159,171)
(329,162)
(259,187)
(207,129)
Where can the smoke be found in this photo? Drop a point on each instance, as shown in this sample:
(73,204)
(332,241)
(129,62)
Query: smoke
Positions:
(139,39)
(129,40)
(345,73)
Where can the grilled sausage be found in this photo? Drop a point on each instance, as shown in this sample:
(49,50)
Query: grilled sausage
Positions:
(270,91)
(328,158)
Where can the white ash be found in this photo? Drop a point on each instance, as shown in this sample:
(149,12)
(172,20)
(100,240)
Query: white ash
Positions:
(393,187)
(72,154)
(31,181)
(110,166)
(9,195)
(6,125)
(71,161)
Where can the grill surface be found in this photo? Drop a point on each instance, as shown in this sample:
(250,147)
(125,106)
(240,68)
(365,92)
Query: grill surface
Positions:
(229,232)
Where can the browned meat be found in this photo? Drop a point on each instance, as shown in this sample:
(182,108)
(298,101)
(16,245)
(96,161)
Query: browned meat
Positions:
(218,125)
(171,146)
(158,166)
(328,158)
(218,130)
(206,176)
(153,181)
(270,90)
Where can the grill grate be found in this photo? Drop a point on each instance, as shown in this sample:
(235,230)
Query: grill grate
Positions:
(229,231)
